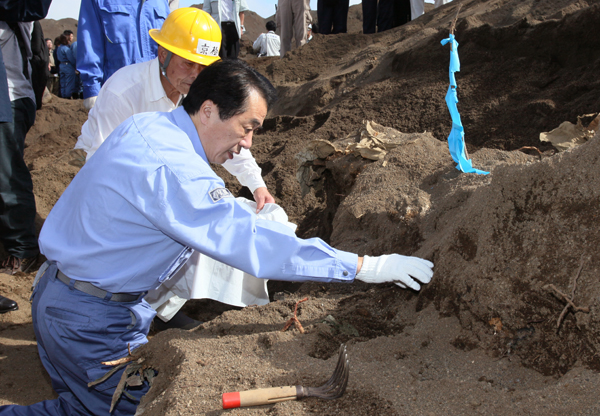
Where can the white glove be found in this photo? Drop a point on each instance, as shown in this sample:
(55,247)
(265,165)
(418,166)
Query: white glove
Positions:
(243,30)
(88,103)
(402,270)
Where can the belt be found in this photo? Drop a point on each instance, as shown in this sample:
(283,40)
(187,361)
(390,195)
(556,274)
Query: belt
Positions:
(90,289)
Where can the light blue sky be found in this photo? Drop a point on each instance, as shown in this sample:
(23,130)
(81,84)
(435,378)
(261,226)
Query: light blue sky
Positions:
(60,9)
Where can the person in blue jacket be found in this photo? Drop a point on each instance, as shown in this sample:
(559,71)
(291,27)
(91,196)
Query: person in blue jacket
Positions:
(113,34)
(68,76)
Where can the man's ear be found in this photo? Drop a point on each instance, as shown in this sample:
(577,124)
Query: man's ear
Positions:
(162,54)
(208,109)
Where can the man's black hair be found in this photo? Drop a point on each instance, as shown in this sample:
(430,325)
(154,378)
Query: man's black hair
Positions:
(271,25)
(228,83)
(68,32)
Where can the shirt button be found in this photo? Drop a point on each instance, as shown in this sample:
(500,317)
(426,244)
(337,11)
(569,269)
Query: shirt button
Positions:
(345,273)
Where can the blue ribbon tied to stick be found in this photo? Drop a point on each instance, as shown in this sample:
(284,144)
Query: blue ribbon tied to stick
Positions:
(456,138)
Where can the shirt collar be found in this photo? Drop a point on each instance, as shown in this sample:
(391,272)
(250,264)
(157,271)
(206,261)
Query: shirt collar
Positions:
(157,92)
(183,120)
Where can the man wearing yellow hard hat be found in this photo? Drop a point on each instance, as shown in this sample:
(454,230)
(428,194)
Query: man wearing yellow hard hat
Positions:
(189,40)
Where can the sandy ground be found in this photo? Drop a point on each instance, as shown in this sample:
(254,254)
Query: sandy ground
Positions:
(482,338)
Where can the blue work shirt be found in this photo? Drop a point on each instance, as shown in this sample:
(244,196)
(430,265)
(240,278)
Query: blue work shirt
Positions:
(113,34)
(66,56)
(131,216)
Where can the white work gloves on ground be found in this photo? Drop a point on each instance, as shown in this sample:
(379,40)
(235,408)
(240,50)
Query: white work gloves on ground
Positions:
(88,103)
(402,270)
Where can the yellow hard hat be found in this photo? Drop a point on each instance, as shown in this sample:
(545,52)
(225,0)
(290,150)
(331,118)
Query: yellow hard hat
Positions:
(190,33)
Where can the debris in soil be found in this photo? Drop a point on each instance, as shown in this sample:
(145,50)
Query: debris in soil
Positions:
(344,328)
(135,374)
(294,319)
(569,299)
(496,323)
(124,360)
(568,135)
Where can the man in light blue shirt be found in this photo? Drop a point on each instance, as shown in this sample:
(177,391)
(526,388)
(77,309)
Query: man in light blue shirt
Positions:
(132,216)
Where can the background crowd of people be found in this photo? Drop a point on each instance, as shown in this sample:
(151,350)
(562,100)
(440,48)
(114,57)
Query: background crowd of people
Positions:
(294,21)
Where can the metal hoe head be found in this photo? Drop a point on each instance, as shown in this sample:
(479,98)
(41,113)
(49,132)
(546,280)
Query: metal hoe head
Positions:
(335,386)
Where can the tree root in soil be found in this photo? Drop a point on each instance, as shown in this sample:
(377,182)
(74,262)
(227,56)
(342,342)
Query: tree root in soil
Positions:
(568,299)
(294,319)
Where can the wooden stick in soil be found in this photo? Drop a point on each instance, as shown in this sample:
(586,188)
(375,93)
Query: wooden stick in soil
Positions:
(455,19)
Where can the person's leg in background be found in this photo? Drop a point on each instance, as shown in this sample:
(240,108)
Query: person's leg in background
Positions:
(17,203)
(385,15)
(299,21)
(230,42)
(369,9)
(340,17)
(307,14)
(284,23)
(402,12)
(417,8)
(325,15)
(439,3)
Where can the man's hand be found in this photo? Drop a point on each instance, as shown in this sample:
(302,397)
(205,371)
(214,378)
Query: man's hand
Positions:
(88,103)
(78,157)
(403,270)
(262,197)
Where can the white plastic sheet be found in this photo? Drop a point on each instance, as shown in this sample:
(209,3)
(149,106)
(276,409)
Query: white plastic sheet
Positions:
(204,278)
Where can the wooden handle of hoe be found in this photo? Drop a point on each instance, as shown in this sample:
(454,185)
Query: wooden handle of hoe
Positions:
(259,397)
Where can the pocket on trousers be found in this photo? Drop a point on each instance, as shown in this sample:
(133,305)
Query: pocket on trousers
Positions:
(70,317)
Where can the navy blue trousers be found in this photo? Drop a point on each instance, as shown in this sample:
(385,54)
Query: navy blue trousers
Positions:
(75,332)
(332,16)
(230,42)
(384,15)
(17,203)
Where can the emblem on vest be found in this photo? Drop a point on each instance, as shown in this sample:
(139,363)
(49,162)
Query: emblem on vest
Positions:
(219,193)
